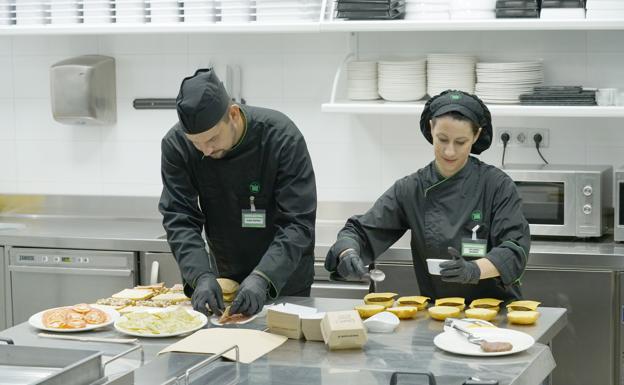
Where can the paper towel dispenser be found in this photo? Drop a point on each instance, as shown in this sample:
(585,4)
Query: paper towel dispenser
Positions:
(83,90)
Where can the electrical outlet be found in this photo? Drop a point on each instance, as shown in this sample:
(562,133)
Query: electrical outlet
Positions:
(523,137)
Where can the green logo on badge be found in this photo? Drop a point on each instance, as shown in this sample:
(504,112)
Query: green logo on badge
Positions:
(455,96)
(254,187)
(476,215)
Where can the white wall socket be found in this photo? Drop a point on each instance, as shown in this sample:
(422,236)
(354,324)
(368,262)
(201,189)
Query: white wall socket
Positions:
(522,136)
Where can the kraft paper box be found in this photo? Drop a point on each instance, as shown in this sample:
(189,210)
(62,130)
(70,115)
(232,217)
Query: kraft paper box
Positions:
(285,319)
(343,330)
(311,326)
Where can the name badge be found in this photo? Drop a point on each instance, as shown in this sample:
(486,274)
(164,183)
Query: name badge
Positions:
(474,247)
(254,218)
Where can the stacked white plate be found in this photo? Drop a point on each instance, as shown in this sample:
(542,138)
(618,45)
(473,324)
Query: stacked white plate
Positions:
(503,83)
(604,9)
(63,12)
(362,80)
(402,81)
(235,11)
(5,12)
(287,10)
(30,12)
(473,9)
(450,71)
(199,11)
(97,11)
(427,9)
(164,11)
(130,11)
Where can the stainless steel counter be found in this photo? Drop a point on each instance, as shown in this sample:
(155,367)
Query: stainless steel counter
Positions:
(410,349)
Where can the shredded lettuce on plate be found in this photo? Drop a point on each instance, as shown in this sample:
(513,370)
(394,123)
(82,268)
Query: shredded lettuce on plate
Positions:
(165,322)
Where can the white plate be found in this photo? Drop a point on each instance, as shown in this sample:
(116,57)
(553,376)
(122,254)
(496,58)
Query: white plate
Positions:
(215,320)
(36,320)
(453,341)
(203,318)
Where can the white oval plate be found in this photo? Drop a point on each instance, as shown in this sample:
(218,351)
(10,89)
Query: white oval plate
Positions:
(215,320)
(203,318)
(453,341)
(36,320)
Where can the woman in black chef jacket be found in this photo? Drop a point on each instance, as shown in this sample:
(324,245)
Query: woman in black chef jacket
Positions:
(454,203)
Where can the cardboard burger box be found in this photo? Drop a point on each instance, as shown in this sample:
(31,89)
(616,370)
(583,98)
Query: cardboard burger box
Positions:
(294,321)
(343,330)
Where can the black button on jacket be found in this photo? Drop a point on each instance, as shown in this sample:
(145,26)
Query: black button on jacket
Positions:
(272,164)
(440,213)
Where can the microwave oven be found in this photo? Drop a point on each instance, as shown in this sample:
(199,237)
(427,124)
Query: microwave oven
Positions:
(618,228)
(564,200)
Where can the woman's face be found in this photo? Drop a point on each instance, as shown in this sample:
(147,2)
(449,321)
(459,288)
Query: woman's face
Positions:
(452,141)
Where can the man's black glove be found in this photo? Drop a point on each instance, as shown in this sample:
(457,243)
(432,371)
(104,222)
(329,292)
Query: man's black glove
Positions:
(459,270)
(251,295)
(207,292)
(350,265)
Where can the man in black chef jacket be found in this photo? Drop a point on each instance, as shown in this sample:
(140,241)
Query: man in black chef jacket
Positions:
(243,174)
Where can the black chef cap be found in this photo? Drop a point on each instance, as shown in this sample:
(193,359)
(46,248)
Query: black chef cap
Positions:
(466,104)
(202,101)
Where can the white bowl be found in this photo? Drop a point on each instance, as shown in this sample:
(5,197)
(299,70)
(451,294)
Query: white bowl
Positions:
(434,265)
(384,322)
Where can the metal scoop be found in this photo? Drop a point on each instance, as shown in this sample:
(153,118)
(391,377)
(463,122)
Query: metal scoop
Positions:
(486,346)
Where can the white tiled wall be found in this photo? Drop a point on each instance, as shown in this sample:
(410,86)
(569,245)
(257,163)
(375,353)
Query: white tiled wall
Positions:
(356,157)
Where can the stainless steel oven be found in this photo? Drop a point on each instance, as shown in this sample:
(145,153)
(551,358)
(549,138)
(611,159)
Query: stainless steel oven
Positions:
(564,200)
(45,278)
(618,228)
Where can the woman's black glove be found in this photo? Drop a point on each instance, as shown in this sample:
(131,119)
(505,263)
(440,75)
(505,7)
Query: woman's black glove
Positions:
(459,270)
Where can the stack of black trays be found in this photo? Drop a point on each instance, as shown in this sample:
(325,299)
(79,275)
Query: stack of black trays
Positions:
(559,96)
(517,9)
(370,9)
(563,3)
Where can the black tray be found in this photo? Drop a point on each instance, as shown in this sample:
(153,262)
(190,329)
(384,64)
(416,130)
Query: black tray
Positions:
(563,4)
(396,13)
(517,4)
(360,6)
(515,13)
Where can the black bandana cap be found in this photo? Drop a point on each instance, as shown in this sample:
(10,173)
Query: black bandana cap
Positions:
(202,101)
(466,104)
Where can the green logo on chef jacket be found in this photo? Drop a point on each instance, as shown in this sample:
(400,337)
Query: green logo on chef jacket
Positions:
(476,215)
(254,187)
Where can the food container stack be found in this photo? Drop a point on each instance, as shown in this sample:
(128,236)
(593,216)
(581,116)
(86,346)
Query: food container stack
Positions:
(163,11)
(450,71)
(517,9)
(428,9)
(402,81)
(605,9)
(503,83)
(370,10)
(287,10)
(199,11)
(63,12)
(5,13)
(236,11)
(563,9)
(29,12)
(473,9)
(97,11)
(130,11)
(362,80)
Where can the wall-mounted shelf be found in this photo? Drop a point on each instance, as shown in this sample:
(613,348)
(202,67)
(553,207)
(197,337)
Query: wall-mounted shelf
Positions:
(415,108)
(470,25)
(113,28)
(316,27)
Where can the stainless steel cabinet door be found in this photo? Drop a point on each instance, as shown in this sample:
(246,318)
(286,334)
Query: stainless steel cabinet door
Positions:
(584,350)
(166,265)
(4,291)
(400,278)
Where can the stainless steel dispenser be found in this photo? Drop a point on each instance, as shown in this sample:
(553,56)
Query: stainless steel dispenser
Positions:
(83,90)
